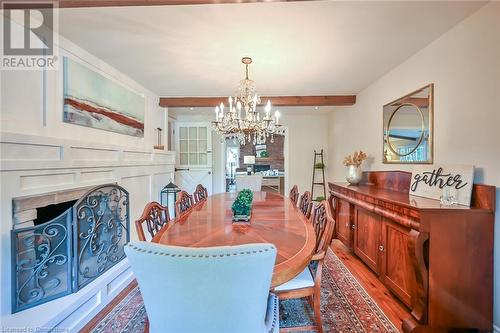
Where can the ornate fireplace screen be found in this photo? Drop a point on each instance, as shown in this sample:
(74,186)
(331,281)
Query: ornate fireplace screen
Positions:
(65,254)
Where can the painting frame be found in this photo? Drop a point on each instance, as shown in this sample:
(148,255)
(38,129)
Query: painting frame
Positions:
(92,99)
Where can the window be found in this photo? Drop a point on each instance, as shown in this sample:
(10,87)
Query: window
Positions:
(418,155)
(193,145)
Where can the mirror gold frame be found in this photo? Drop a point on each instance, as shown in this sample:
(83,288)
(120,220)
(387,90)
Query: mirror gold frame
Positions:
(425,111)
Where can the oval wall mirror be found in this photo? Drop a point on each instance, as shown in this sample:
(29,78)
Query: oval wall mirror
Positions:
(408,128)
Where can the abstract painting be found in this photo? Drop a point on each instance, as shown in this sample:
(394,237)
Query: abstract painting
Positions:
(92,100)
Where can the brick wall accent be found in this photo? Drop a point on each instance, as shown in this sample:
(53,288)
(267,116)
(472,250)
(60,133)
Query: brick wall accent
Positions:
(276,149)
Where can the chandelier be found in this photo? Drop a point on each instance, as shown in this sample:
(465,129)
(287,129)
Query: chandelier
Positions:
(242,121)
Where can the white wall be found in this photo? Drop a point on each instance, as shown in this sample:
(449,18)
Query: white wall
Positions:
(464,65)
(35,144)
(305,134)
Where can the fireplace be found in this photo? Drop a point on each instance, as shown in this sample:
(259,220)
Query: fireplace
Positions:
(64,243)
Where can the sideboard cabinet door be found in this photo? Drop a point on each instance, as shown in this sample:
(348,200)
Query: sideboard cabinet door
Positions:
(367,245)
(397,271)
(344,222)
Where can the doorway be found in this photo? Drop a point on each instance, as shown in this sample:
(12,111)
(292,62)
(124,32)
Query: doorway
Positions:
(193,142)
(270,159)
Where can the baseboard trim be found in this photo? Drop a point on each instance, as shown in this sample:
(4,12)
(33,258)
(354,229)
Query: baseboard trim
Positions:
(496,329)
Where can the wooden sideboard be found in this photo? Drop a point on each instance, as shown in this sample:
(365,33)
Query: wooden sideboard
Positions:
(438,260)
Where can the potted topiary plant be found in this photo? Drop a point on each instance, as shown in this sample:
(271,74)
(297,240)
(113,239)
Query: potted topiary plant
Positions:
(242,206)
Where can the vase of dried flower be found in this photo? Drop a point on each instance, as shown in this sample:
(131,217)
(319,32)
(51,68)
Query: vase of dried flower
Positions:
(354,174)
(353,164)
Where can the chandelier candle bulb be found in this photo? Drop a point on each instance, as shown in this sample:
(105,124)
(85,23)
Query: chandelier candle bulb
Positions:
(238,107)
(268,108)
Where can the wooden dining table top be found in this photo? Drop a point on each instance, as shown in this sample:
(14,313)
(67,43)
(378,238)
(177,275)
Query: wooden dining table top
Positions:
(274,219)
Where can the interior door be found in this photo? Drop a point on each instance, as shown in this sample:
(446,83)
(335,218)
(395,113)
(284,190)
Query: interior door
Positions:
(367,244)
(193,142)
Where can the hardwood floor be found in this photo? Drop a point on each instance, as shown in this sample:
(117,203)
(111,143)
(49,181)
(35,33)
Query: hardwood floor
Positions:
(389,304)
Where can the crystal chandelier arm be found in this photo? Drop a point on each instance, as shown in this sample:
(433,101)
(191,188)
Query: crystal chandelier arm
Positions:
(251,127)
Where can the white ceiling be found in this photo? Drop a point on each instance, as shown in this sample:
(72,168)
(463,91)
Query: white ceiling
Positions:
(299,48)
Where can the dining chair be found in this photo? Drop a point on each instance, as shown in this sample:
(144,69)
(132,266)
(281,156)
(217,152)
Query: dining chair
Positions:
(306,204)
(200,193)
(308,282)
(214,289)
(251,182)
(154,217)
(294,194)
(183,204)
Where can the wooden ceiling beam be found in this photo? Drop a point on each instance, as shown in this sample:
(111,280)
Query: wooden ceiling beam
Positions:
(329,100)
(122,3)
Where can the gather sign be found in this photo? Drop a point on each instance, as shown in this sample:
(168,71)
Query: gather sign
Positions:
(453,181)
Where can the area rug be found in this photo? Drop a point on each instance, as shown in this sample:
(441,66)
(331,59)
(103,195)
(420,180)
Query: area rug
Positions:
(345,307)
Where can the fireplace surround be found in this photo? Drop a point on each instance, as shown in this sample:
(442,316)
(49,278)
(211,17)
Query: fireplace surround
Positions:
(62,255)
(40,171)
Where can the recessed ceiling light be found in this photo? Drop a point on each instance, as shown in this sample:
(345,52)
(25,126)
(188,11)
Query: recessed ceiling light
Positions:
(191,108)
(316,107)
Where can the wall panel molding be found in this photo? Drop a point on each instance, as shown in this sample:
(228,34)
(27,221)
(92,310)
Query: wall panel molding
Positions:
(20,151)
(93,154)
(16,151)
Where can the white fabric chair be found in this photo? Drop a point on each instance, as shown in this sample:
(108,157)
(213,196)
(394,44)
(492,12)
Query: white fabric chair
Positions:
(219,289)
(251,182)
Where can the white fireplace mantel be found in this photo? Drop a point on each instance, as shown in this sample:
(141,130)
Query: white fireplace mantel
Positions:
(32,165)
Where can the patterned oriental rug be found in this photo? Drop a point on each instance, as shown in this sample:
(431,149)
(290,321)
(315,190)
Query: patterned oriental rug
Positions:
(345,307)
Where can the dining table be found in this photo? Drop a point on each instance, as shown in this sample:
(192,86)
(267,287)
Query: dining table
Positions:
(274,219)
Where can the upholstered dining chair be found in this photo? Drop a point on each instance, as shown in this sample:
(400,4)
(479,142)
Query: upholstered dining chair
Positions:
(154,217)
(294,194)
(216,289)
(183,203)
(308,282)
(306,204)
(200,193)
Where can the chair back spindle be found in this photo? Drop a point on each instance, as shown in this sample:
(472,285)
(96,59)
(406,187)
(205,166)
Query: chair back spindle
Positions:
(323,225)
(184,203)
(306,204)
(200,193)
(294,194)
(154,217)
